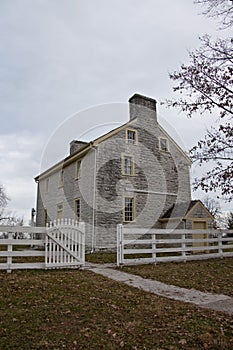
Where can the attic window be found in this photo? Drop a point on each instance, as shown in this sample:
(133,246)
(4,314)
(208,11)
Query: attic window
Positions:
(163,144)
(131,136)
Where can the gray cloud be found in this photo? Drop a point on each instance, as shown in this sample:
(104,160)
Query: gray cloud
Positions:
(59,57)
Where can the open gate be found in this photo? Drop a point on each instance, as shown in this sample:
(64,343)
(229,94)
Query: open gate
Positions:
(65,244)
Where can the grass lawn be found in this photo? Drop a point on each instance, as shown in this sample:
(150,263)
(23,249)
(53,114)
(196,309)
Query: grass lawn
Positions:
(72,309)
(215,275)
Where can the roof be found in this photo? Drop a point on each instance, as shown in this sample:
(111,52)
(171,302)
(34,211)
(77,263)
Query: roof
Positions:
(87,146)
(82,151)
(181,210)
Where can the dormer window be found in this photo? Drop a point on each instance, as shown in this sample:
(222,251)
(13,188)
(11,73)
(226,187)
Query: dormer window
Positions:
(131,136)
(163,144)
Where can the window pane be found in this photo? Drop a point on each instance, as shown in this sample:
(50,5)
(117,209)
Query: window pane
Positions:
(77,170)
(128,166)
(129,209)
(131,136)
(163,145)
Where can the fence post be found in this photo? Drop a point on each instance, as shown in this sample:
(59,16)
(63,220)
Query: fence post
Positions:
(9,249)
(154,247)
(82,243)
(119,244)
(220,252)
(183,245)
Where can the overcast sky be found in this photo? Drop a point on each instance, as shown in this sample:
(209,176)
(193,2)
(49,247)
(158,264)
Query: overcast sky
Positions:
(58,58)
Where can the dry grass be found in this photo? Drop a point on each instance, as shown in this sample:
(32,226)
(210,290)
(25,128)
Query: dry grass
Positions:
(215,275)
(72,309)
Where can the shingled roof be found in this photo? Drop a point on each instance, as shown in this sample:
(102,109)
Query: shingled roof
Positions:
(179,210)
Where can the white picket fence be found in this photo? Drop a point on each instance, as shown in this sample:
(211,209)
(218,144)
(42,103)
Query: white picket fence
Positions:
(61,244)
(141,245)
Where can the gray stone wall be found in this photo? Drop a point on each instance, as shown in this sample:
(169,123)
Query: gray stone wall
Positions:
(160,179)
(155,171)
(72,189)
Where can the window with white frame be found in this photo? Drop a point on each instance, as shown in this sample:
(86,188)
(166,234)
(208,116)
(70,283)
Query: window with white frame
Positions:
(129,209)
(131,136)
(77,209)
(163,144)
(127,165)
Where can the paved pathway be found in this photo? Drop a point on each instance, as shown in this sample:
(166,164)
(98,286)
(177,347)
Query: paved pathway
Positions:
(217,302)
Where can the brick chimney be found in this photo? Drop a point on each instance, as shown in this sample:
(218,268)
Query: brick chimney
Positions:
(140,105)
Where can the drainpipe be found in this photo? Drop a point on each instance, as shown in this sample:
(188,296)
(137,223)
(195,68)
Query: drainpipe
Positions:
(94,202)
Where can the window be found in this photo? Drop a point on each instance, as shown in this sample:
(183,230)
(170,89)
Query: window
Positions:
(47,186)
(163,144)
(77,209)
(131,136)
(61,179)
(59,211)
(129,210)
(77,169)
(127,165)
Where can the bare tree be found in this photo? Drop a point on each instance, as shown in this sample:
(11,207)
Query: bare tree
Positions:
(212,205)
(220,9)
(3,197)
(230,221)
(206,85)
(7,217)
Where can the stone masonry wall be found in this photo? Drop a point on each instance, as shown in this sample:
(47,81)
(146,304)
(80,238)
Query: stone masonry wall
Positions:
(155,171)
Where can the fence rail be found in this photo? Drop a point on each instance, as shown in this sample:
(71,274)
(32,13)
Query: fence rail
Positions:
(62,244)
(140,245)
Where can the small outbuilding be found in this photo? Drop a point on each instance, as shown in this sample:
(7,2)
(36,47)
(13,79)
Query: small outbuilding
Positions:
(192,216)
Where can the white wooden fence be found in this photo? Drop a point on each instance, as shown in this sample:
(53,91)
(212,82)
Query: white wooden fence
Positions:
(141,245)
(62,244)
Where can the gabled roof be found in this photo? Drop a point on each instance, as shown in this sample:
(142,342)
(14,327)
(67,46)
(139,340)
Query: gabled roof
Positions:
(87,146)
(82,151)
(183,210)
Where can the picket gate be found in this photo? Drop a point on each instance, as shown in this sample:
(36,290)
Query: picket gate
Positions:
(65,244)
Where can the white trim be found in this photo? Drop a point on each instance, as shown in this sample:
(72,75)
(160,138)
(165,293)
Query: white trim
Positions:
(150,192)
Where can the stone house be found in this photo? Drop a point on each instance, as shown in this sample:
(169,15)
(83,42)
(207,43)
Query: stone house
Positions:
(136,175)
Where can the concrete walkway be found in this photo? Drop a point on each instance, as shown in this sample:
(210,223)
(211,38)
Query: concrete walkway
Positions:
(217,302)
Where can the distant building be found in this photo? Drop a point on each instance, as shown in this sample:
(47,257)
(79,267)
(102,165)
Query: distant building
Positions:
(136,174)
